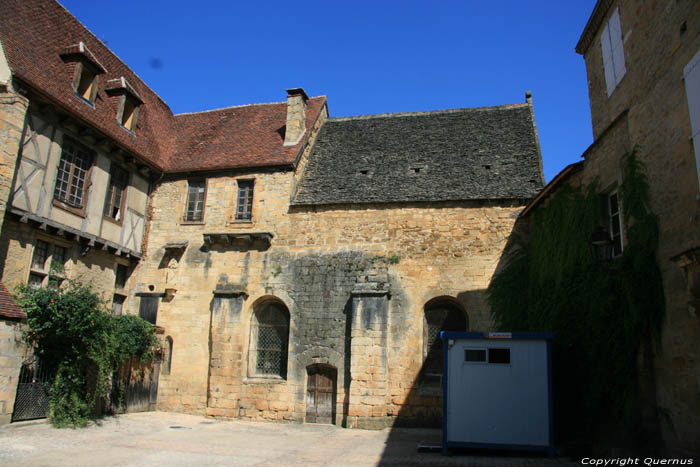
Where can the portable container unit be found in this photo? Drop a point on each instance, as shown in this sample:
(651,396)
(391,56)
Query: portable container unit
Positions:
(497,391)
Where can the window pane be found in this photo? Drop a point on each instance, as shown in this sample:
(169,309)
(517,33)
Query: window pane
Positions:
(41,254)
(122,273)
(245,200)
(117,304)
(195,200)
(499,355)
(63,176)
(58,259)
(35,280)
(118,181)
(272,334)
(474,355)
(72,173)
(439,318)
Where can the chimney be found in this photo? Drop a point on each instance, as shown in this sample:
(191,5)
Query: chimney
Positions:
(528,97)
(296,116)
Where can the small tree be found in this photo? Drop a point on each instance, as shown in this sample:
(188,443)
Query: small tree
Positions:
(81,344)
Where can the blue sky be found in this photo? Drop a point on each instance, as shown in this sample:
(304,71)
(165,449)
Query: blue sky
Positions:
(367,57)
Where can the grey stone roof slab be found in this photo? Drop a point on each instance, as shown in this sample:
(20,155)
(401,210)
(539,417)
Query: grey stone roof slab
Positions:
(483,153)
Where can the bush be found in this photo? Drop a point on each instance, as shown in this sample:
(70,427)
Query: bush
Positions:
(81,344)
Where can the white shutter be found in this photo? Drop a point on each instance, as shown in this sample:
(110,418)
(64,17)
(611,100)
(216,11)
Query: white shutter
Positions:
(618,51)
(691,76)
(607,60)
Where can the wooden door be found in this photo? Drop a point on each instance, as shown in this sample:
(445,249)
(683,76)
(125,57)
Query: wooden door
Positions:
(321,394)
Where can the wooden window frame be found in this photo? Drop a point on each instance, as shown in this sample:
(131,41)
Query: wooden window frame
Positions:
(184,219)
(248,199)
(81,67)
(111,192)
(63,203)
(614,68)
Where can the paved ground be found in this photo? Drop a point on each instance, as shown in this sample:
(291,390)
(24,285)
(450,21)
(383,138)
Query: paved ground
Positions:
(159,438)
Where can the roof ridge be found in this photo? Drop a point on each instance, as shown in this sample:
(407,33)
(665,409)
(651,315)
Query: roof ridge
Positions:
(115,54)
(429,112)
(238,106)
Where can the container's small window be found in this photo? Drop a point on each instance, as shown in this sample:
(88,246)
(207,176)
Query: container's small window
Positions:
(474,355)
(499,355)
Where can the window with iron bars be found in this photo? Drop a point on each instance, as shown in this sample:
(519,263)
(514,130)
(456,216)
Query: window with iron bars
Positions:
(438,317)
(269,340)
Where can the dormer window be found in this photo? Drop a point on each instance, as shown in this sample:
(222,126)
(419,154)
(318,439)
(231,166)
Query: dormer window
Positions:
(129,102)
(85,82)
(128,114)
(87,71)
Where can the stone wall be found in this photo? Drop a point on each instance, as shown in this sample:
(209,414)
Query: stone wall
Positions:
(12,354)
(353,278)
(17,246)
(649,111)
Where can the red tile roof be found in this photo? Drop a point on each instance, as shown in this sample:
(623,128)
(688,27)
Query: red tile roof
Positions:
(37,34)
(245,136)
(8,307)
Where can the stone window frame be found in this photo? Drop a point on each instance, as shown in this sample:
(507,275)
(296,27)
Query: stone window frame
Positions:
(246,215)
(73,155)
(254,342)
(41,274)
(200,219)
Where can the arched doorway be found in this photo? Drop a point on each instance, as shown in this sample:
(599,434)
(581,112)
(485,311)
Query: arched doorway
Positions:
(321,391)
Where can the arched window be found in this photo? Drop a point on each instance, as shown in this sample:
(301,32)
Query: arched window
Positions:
(269,337)
(440,315)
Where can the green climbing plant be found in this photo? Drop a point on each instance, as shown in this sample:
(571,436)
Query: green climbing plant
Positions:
(601,314)
(81,345)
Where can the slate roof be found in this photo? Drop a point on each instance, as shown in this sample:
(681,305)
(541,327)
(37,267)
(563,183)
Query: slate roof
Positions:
(38,38)
(461,154)
(8,307)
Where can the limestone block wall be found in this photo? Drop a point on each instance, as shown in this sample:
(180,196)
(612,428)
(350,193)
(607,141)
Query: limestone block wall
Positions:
(17,246)
(328,266)
(649,110)
(12,354)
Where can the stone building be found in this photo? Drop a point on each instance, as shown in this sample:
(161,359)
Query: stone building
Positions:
(301,266)
(644,87)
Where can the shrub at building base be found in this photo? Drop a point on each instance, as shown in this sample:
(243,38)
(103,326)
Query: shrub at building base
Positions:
(81,344)
(602,313)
